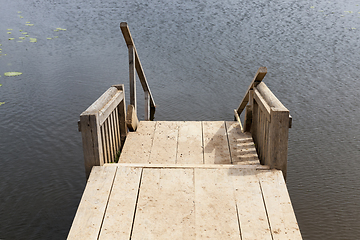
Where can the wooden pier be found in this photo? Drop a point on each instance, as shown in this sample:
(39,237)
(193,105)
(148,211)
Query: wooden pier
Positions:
(184,179)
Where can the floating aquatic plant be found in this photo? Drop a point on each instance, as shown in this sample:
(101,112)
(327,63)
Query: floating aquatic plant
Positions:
(9,29)
(11,38)
(24,33)
(28,24)
(1,103)
(312,7)
(21,16)
(12,74)
(34,40)
(22,38)
(20,30)
(8,32)
(48,38)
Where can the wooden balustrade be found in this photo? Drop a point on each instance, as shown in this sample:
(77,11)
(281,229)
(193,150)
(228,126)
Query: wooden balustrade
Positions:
(268,121)
(103,128)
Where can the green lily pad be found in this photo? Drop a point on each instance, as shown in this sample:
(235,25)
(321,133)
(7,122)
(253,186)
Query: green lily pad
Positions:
(34,40)
(24,33)
(48,38)
(1,103)
(20,30)
(22,38)
(56,36)
(27,35)
(9,29)
(11,38)
(28,24)
(8,32)
(0,84)
(21,17)
(312,7)
(12,74)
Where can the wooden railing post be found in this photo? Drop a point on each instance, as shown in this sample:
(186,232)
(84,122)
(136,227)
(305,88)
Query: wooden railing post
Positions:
(132,77)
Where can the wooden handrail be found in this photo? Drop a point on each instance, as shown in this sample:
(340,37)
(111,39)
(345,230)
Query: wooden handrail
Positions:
(259,76)
(134,57)
(103,128)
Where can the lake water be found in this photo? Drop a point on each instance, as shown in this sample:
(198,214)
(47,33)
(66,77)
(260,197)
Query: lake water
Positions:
(199,58)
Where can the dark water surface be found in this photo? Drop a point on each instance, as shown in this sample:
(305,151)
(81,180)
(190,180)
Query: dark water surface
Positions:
(199,58)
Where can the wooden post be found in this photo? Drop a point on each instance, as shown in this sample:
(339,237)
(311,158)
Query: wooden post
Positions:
(147,106)
(132,77)
(278,140)
(91,139)
(276,156)
(248,118)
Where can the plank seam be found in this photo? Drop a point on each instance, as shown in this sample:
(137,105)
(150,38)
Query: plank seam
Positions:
(228,141)
(152,142)
(136,203)
(238,217)
(267,215)
(107,203)
(177,143)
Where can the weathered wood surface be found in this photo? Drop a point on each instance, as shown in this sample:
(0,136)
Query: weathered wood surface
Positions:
(137,147)
(216,145)
(89,216)
(190,143)
(165,208)
(242,147)
(117,223)
(165,142)
(184,203)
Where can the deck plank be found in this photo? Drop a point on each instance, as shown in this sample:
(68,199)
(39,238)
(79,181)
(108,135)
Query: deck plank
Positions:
(216,146)
(89,216)
(215,207)
(242,147)
(279,209)
(120,211)
(138,144)
(166,205)
(165,143)
(251,209)
(190,143)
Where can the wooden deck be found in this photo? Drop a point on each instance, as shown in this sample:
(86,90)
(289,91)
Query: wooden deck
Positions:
(186,180)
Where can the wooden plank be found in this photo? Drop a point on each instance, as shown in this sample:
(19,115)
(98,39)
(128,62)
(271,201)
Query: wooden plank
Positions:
(120,211)
(215,207)
(279,209)
(166,208)
(278,140)
(250,205)
(129,42)
(203,166)
(101,101)
(270,98)
(242,147)
(147,106)
(91,140)
(190,143)
(259,76)
(165,142)
(109,107)
(216,147)
(138,144)
(91,210)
